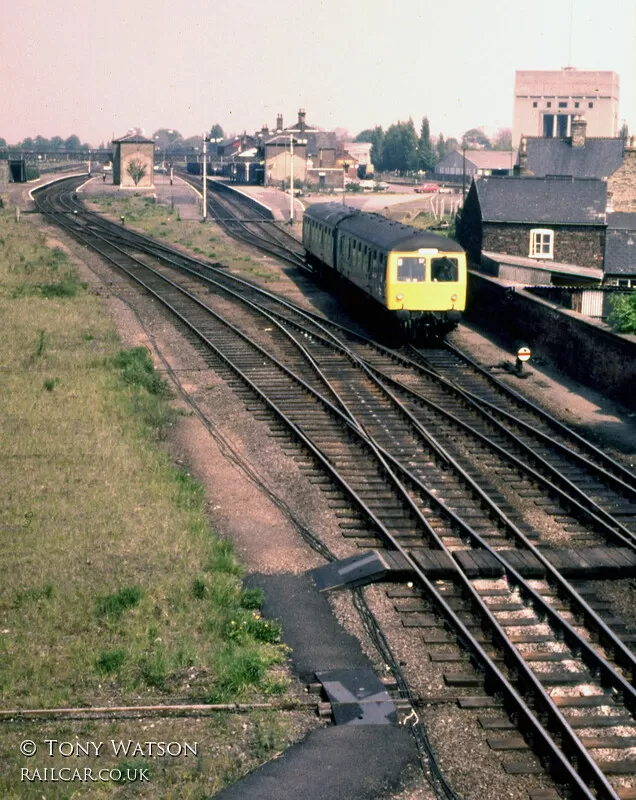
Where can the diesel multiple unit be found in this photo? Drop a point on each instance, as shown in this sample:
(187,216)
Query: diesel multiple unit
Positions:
(418,276)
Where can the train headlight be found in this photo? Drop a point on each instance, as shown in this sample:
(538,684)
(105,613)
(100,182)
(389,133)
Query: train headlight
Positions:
(453,298)
(399,297)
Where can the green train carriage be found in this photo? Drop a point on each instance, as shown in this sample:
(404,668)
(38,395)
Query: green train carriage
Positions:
(419,277)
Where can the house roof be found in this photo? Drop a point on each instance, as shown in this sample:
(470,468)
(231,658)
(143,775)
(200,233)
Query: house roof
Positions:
(597,158)
(622,220)
(323,140)
(620,244)
(491,159)
(283,139)
(133,138)
(549,201)
(480,159)
(620,252)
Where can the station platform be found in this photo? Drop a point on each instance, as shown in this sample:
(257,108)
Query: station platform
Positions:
(176,193)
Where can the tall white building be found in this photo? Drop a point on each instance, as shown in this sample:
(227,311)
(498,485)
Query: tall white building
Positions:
(547,101)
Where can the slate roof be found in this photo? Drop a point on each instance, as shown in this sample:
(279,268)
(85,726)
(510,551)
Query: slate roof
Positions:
(323,140)
(598,158)
(479,159)
(490,159)
(620,244)
(133,138)
(623,220)
(549,201)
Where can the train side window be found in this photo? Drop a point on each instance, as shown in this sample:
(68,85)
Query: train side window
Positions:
(444,269)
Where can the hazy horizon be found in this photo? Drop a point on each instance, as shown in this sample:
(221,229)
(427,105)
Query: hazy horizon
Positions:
(351,65)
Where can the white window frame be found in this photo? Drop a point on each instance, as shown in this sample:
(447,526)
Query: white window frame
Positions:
(539,237)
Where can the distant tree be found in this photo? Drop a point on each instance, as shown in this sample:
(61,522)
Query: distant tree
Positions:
(3,143)
(400,147)
(28,144)
(72,143)
(56,143)
(366,135)
(42,144)
(623,316)
(426,156)
(136,169)
(216,132)
(624,131)
(192,142)
(502,139)
(476,139)
(452,144)
(167,139)
(441,147)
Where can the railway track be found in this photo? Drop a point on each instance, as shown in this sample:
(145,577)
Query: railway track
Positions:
(422,464)
(249,224)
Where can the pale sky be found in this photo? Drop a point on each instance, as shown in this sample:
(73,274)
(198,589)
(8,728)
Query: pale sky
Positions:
(97,69)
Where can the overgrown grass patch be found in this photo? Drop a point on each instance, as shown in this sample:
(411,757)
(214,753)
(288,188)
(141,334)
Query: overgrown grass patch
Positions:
(162,222)
(115,591)
(102,538)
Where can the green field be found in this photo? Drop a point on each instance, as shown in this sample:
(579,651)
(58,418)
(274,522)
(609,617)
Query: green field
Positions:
(115,591)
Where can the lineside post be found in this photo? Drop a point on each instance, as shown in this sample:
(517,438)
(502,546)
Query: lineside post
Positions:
(205,177)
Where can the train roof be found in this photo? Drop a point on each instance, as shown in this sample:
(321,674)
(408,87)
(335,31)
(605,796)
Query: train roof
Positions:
(378,230)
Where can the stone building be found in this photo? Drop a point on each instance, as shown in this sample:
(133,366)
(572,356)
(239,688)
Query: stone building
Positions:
(546,102)
(314,154)
(133,161)
(580,156)
(544,220)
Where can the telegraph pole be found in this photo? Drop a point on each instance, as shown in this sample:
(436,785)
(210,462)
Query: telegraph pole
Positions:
(291,177)
(205,177)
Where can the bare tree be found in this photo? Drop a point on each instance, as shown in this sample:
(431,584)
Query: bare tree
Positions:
(136,169)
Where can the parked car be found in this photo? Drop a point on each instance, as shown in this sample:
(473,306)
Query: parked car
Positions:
(381,186)
(427,188)
(446,190)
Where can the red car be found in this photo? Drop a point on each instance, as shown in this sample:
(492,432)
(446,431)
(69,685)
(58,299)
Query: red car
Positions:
(427,188)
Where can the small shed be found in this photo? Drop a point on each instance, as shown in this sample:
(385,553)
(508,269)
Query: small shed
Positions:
(133,161)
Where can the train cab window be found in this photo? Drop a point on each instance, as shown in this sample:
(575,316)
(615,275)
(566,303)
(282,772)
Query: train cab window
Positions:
(411,269)
(444,269)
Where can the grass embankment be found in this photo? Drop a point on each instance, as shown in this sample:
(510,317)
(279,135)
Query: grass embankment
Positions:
(114,590)
(164,222)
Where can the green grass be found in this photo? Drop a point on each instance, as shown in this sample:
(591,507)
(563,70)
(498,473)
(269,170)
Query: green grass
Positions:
(115,590)
(161,222)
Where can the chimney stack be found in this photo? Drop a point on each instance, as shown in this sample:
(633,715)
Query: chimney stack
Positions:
(522,167)
(279,123)
(301,120)
(579,126)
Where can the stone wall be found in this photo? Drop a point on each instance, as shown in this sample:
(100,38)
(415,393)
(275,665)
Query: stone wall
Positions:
(622,184)
(580,347)
(573,244)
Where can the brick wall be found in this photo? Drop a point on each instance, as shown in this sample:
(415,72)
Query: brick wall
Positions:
(143,153)
(622,184)
(582,348)
(581,245)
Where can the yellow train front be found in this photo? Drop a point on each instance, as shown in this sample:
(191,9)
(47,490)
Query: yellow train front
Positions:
(418,276)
